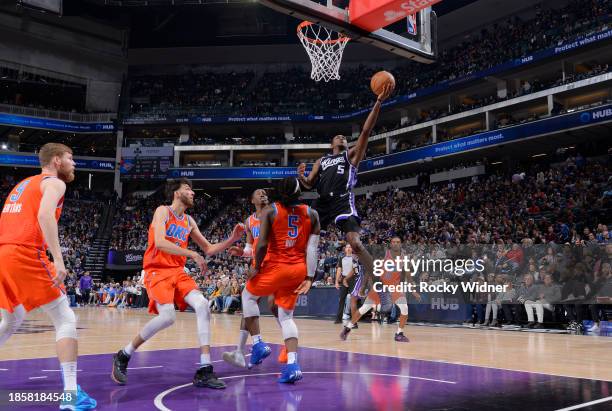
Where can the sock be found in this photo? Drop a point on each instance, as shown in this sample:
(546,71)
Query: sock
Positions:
(257,339)
(244,335)
(399,330)
(291,357)
(129,349)
(349,324)
(204,359)
(69,375)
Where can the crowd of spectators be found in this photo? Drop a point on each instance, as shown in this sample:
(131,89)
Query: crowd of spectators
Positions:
(293,92)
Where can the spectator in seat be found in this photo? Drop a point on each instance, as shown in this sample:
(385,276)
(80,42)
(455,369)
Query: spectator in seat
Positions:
(528,294)
(549,293)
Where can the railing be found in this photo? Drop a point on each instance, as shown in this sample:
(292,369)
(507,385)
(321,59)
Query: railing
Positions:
(61,115)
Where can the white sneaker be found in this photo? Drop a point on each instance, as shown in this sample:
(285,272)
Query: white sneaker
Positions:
(235,358)
(594,328)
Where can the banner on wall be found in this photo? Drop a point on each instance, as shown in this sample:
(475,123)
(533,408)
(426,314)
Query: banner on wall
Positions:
(123,260)
(57,125)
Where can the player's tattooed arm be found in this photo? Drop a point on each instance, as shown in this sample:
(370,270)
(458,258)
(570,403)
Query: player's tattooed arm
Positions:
(310,181)
(358,151)
(237,251)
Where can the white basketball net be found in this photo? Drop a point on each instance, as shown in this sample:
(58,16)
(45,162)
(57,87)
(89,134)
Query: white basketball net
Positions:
(325,48)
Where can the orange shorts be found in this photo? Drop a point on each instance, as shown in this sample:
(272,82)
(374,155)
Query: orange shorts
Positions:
(167,286)
(279,280)
(26,278)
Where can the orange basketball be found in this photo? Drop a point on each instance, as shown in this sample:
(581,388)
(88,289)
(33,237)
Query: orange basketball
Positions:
(379,80)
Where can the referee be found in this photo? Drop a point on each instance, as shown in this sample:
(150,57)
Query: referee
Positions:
(345,279)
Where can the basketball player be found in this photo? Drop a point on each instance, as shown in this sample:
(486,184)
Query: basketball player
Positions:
(259,198)
(285,264)
(167,283)
(28,280)
(390,278)
(334,176)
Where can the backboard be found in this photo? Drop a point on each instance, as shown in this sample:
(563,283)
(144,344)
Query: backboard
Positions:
(411,37)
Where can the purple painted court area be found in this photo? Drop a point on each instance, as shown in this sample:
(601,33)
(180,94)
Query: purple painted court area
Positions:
(333,380)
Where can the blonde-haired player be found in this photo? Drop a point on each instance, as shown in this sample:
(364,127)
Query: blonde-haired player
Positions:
(28,280)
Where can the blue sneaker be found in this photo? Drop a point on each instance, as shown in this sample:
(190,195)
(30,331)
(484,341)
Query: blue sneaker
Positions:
(259,352)
(83,401)
(290,373)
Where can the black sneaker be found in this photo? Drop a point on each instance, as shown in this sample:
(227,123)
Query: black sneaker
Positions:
(205,377)
(120,363)
(345,332)
(355,326)
(538,326)
(531,324)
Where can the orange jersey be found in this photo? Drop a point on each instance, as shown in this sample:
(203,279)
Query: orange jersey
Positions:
(253,225)
(289,235)
(391,277)
(19,218)
(177,232)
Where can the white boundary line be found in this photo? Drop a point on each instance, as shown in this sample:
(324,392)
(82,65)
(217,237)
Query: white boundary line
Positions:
(37,378)
(159,399)
(586,404)
(143,368)
(458,363)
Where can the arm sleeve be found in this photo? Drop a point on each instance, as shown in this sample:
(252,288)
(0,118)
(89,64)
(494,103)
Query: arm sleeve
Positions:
(312,254)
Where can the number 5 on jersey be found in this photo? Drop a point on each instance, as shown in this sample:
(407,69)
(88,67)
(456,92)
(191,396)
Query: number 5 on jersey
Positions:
(293,226)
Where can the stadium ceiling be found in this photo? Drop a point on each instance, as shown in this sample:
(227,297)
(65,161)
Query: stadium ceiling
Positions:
(200,23)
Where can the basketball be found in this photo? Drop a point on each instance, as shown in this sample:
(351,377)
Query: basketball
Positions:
(379,80)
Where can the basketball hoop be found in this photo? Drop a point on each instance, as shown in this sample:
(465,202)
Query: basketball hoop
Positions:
(325,48)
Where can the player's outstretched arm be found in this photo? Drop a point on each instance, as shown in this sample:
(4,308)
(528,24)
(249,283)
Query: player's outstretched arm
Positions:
(310,181)
(247,251)
(358,151)
(53,190)
(212,249)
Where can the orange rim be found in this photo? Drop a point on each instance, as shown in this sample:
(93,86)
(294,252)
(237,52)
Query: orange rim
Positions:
(341,37)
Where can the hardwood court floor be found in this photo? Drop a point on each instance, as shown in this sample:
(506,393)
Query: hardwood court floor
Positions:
(103,330)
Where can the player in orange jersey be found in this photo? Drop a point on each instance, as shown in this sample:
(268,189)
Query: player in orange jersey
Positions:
(259,199)
(285,264)
(167,283)
(389,278)
(28,280)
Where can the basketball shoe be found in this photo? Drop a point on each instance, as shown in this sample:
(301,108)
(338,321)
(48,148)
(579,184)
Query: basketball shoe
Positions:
(83,401)
(259,352)
(290,374)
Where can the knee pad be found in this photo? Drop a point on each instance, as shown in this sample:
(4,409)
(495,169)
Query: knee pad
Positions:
(200,304)
(167,315)
(288,326)
(403,308)
(365,308)
(165,318)
(63,318)
(250,308)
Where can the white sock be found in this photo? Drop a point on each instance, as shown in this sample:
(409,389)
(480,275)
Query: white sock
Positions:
(399,330)
(69,375)
(349,324)
(291,357)
(257,339)
(244,335)
(204,359)
(129,349)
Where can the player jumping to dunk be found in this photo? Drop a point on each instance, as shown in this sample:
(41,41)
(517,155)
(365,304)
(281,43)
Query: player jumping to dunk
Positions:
(334,176)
